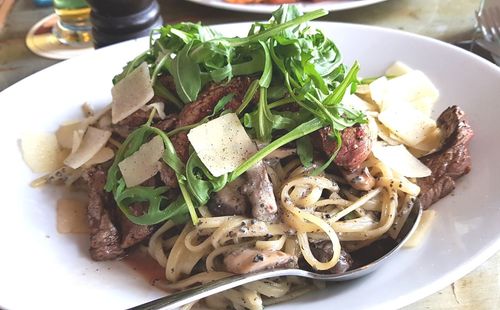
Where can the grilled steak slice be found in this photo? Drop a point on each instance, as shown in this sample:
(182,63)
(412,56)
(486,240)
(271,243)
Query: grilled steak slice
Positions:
(204,105)
(168,123)
(449,163)
(104,235)
(133,233)
(356,145)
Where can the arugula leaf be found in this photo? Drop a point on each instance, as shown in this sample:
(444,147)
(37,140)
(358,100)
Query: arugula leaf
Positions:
(221,104)
(264,124)
(200,181)
(186,75)
(300,131)
(267,73)
(249,95)
(305,151)
(163,92)
(297,65)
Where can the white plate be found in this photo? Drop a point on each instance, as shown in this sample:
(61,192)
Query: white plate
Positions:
(40,268)
(330,5)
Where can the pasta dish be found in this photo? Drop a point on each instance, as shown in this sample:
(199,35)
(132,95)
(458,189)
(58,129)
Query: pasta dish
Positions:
(221,156)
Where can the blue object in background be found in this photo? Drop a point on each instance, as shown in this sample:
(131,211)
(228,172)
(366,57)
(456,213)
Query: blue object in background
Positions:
(42,2)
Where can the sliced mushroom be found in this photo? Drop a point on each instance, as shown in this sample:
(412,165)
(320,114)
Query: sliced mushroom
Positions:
(251,260)
(260,193)
(359,178)
(323,251)
(230,200)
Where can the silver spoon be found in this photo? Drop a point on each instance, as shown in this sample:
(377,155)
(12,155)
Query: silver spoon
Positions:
(381,250)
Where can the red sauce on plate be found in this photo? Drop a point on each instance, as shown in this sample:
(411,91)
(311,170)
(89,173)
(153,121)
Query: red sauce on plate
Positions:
(140,261)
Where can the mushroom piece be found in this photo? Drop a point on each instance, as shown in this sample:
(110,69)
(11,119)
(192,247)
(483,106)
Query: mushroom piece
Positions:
(251,260)
(323,251)
(260,193)
(359,178)
(231,200)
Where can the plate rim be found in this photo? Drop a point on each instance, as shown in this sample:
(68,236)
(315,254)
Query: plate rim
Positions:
(269,8)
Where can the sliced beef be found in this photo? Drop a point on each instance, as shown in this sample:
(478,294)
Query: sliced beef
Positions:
(356,145)
(104,235)
(139,118)
(132,233)
(451,161)
(230,200)
(167,176)
(168,123)
(168,81)
(204,105)
(251,260)
(323,252)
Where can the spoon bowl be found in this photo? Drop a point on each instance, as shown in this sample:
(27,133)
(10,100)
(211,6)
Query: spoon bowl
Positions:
(369,259)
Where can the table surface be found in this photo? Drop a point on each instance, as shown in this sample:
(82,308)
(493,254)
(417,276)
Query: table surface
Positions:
(447,20)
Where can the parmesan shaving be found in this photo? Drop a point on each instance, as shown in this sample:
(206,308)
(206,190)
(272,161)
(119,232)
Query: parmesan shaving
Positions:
(398,68)
(353,101)
(41,152)
(378,88)
(222,144)
(413,88)
(102,156)
(72,217)
(93,141)
(144,163)
(77,139)
(159,107)
(65,131)
(408,123)
(400,160)
(131,93)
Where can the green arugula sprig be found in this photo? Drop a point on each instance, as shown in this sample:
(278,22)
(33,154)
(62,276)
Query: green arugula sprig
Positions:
(298,66)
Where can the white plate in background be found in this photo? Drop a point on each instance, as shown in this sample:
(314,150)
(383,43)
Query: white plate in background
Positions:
(329,5)
(40,268)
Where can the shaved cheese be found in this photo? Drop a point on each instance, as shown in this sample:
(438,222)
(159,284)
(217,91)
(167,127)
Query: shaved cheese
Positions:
(422,230)
(72,216)
(431,142)
(158,106)
(398,68)
(93,141)
(355,102)
(64,133)
(41,152)
(408,123)
(373,128)
(400,160)
(413,88)
(363,89)
(77,139)
(131,93)
(144,163)
(385,134)
(378,88)
(102,156)
(222,144)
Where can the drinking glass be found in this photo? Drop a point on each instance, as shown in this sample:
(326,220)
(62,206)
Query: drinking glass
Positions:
(73,26)
(65,34)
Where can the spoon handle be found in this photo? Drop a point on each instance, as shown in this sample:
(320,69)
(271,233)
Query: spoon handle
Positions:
(179,299)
